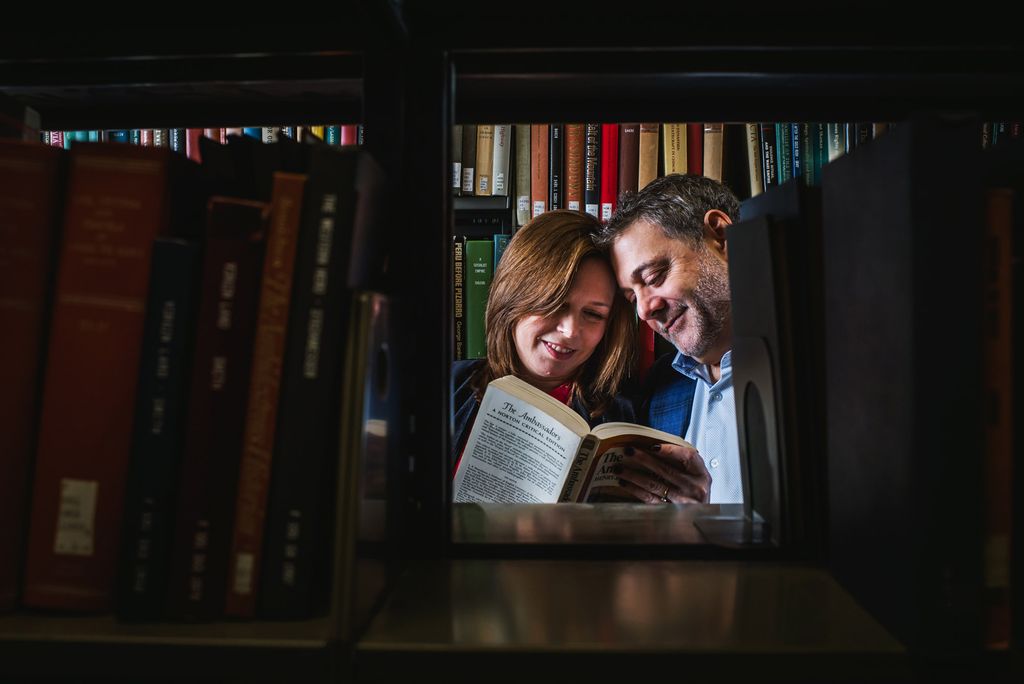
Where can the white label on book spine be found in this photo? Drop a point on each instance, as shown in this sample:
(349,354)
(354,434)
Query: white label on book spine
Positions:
(606,211)
(484,185)
(76,517)
(574,205)
(499,184)
(243,574)
(538,209)
(467,179)
(456,175)
(592,209)
(523,203)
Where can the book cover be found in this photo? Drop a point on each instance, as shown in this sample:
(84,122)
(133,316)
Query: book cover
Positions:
(219,384)
(522,189)
(783,152)
(609,169)
(479,273)
(629,157)
(647,165)
(456,152)
(694,147)
(768,155)
(458,297)
(674,156)
(574,143)
(592,169)
(714,148)
(120,199)
(264,392)
(539,169)
(556,151)
(32,178)
(484,159)
(335,231)
(158,429)
(501,157)
(468,159)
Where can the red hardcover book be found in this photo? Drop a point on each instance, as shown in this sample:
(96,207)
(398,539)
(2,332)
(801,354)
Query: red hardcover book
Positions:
(146,137)
(574,140)
(609,169)
(539,169)
(118,202)
(222,363)
(349,133)
(31,202)
(192,136)
(695,147)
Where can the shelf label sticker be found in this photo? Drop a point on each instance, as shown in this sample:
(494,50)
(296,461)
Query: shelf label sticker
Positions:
(76,518)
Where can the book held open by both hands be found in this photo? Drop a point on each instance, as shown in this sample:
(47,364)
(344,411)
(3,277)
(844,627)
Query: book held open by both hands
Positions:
(527,447)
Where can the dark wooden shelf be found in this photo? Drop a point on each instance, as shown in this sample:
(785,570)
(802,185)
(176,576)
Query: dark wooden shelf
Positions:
(530,620)
(189,91)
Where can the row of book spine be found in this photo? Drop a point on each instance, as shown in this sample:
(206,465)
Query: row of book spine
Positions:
(172,384)
(587,167)
(186,140)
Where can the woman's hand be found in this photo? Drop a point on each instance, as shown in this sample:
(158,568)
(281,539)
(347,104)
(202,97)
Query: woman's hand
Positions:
(665,473)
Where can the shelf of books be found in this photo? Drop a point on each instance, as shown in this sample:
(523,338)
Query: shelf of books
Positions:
(199,399)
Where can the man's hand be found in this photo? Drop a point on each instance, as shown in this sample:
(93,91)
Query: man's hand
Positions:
(666,473)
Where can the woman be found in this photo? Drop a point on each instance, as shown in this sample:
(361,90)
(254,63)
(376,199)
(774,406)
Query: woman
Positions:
(554,319)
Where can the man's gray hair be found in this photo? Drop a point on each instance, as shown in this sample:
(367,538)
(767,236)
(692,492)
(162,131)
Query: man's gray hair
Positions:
(676,203)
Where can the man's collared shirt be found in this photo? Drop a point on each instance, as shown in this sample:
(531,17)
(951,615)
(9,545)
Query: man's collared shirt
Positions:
(712,428)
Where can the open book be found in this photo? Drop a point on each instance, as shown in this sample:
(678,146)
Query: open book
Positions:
(527,447)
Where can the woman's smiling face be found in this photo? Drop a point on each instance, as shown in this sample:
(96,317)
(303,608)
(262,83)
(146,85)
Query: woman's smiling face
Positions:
(552,348)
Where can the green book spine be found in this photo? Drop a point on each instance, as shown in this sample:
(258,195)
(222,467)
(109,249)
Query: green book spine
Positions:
(479,271)
(784,151)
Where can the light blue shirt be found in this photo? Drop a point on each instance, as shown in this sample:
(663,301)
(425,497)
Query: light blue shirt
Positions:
(712,427)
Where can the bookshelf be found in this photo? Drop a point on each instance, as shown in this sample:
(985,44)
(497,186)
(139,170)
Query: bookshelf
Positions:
(451,609)
(214,77)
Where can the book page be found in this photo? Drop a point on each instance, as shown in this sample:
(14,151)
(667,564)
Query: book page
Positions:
(515,453)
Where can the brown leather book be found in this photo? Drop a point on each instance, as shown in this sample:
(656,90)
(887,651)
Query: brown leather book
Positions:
(574,137)
(539,169)
(264,390)
(31,200)
(648,162)
(629,157)
(118,202)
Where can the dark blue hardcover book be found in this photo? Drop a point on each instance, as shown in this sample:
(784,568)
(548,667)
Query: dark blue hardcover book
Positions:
(158,430)
(177,139)
(799,149)
(500,243)
(253,132)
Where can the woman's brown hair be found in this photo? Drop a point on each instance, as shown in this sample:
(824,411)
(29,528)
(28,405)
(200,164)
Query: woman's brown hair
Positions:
(534,277)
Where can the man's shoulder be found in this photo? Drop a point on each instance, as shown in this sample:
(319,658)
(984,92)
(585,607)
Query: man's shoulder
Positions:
(662,375)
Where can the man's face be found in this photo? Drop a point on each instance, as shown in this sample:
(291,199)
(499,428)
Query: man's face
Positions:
(682,292)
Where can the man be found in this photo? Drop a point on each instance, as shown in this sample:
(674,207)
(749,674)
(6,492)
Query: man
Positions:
(668,247)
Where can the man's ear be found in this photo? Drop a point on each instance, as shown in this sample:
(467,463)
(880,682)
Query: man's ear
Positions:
(715,223)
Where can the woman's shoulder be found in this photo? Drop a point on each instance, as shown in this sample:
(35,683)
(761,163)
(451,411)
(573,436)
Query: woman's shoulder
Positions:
(463,370)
